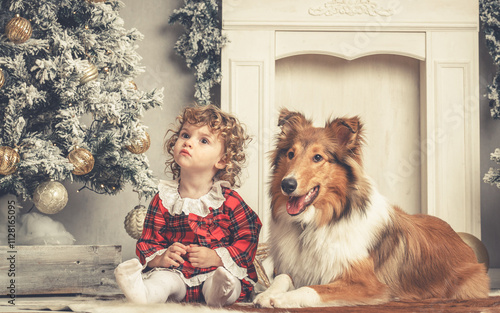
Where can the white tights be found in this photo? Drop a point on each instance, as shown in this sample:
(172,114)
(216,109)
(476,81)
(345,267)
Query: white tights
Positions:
(220,289)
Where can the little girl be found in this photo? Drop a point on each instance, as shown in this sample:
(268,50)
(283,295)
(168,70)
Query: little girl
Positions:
(199,238)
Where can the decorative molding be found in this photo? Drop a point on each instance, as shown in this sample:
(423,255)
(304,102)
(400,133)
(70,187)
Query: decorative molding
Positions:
(455,116)
(350,45)
(247,98)
(351,7)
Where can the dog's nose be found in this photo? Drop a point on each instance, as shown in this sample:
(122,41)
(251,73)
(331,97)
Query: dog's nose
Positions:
(288,185)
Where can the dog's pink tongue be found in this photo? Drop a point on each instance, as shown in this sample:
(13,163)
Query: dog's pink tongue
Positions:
(295,205)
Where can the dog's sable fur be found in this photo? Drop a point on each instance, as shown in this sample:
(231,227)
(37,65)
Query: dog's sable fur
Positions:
(336,241)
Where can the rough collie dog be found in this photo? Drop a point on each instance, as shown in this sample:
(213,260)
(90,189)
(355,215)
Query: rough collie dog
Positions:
(336,241)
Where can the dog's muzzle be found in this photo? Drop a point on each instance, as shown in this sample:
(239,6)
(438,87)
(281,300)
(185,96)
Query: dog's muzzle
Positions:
(288,185)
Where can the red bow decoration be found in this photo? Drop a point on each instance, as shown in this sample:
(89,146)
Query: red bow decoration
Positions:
(209,226)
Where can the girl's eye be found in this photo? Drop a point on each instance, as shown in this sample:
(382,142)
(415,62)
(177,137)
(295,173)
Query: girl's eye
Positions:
(205,141)
(185,136)
(317,158)
(290,155)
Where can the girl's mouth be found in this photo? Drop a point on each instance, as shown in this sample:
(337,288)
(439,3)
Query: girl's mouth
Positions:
(185,152)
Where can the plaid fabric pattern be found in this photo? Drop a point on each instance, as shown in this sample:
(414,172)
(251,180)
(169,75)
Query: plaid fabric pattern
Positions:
(233,226)
(210,227)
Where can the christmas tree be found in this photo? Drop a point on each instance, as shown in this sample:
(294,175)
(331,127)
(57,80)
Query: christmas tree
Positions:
(69,108)
(201,45)
(490,17)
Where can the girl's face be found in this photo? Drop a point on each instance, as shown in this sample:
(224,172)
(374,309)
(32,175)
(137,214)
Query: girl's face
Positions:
(198,149)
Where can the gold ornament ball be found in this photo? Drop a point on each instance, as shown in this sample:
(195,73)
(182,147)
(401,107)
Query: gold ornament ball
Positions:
(8,160)
(18,29)
(478,247)
(140,145)
(2,78)
(82,159)
(50,197)
(134,221)
(90,73)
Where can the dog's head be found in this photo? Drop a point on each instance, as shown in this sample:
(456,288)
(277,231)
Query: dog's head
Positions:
(316,167)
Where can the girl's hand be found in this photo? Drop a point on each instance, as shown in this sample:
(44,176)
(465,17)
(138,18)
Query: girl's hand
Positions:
(172,257)
(203,257)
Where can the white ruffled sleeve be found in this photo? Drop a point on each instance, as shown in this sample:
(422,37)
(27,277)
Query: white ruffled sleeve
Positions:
(152,256)
(230,265)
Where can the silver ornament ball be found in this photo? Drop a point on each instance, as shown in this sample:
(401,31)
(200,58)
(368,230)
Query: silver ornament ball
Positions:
(50,197)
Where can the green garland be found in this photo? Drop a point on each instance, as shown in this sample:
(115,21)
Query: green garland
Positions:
(201,44)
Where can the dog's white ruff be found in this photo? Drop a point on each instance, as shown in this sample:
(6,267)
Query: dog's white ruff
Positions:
(317,256)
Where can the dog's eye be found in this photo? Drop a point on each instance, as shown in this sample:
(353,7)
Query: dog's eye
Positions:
(317,158)
(290,155)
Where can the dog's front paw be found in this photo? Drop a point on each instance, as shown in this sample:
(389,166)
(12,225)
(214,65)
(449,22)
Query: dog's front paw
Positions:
(283,301)
(269,300)
(264,300)
(302,297)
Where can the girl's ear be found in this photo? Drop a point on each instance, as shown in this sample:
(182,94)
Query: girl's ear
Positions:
(221,164)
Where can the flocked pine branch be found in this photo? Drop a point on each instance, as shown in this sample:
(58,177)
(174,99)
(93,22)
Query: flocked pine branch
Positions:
(493,175)
(47,108)
(201,44)
(490,18)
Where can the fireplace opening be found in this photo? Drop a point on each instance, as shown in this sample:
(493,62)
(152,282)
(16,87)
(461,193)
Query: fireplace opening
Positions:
(384,90)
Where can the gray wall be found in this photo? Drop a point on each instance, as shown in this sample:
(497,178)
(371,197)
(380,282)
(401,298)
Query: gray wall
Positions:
(490,139)
(98,219)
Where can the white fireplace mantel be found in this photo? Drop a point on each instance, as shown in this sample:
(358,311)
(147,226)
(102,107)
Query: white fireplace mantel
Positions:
(440,35)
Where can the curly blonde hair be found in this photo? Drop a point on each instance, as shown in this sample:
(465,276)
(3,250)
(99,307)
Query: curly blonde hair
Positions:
(227,127)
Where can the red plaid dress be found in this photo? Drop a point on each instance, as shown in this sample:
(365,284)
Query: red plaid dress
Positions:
(233,226)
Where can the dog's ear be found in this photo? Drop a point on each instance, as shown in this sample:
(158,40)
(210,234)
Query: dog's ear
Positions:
(348,133)
(291,120)
(285,114)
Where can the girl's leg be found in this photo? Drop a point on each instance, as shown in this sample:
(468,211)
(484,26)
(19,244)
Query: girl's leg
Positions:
(158,288)
(223,288)
(163,285)
(129,278)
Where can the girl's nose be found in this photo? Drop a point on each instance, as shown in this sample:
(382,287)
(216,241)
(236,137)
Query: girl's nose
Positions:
(187,143)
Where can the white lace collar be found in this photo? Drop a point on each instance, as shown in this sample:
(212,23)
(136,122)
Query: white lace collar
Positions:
(175,204)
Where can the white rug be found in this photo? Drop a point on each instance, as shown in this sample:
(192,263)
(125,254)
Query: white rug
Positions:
(89,305)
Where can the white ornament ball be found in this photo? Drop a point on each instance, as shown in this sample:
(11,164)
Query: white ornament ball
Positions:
(134,221)
(50,197)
